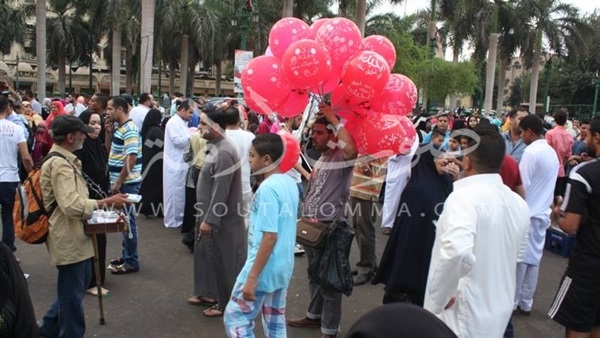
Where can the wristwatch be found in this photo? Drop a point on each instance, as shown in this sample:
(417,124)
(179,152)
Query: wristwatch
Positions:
(338,127)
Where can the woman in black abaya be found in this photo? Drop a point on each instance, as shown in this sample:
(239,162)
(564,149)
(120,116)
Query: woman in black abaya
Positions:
(94,163)
(153,136)
(405,261)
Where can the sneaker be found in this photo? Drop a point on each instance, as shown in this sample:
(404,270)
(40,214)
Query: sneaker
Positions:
(362,278)
(305,323)
(114,263)
(299,250)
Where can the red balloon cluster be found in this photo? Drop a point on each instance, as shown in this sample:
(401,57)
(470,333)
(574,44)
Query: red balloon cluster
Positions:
(330,56)
(291,151)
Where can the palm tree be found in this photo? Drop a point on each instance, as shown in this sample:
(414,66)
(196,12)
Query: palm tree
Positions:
(147,45)
(288,8)
(68,35)
(561,26)
(12,23)
(40,48)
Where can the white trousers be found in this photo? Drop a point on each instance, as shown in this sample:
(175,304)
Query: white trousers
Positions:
(527,277)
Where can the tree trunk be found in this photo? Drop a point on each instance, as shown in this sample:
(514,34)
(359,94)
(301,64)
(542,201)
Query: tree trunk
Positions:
(115,78)
(172,66)
(501,80)
(535,74)
(62,63)
(455,55)
(288,8)
(40,48)
(192,78)
(361,13)
(185,55)
(129,71)
(219,68)
(491,73)
(147,46)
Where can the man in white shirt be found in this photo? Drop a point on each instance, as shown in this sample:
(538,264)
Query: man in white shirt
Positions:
(242,140)
(138,113)
(177,137)
(539,169)
(75,107)
(35,105)
(480,236)
(398,174)
(12,144)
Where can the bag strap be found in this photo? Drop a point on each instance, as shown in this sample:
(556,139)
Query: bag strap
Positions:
(38,200)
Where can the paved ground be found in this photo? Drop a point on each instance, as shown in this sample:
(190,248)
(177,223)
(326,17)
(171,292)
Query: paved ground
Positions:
(151,303)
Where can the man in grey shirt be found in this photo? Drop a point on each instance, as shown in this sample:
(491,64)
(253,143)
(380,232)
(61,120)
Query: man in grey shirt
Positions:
(221,252)
(327,193)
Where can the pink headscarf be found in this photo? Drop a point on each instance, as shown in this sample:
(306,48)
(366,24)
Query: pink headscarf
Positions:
(60,111)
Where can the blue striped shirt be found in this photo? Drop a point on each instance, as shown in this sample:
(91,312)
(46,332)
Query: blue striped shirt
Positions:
(126,141)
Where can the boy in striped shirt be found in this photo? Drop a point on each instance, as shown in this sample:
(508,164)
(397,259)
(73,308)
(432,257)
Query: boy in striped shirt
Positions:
(125,172)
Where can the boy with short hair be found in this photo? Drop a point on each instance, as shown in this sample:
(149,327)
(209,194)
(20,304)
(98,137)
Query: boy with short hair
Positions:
(262,284)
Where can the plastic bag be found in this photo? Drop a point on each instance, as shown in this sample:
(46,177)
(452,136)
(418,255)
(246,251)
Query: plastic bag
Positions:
(334,270)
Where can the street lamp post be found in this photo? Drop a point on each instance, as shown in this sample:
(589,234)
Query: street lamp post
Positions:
(17,77)
(597,89)
(247,12)
(547,71)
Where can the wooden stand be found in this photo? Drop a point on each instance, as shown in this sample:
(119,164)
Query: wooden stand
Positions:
(93,230)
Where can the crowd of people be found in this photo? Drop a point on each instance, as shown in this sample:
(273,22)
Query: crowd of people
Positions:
(466,210)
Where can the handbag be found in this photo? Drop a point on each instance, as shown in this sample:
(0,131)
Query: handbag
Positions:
(311,234)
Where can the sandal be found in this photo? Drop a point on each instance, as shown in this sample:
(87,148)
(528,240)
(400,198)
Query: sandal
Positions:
(123,269)
(213,311)
(387,231)
(201,301)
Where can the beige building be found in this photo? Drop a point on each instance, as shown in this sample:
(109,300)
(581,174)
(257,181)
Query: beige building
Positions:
(21,64)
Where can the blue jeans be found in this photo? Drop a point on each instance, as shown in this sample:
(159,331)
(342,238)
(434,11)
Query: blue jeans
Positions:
(7,202)
(65,318)
(130,238)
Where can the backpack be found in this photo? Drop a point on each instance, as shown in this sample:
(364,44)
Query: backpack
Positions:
(31,220)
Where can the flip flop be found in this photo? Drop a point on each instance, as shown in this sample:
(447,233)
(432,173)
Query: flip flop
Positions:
(200,301)
(216,312)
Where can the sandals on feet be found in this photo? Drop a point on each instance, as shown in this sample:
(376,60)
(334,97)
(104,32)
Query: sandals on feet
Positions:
(201,301)
(213,311)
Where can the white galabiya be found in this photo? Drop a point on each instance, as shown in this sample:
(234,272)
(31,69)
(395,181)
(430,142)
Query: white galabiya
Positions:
(177,136)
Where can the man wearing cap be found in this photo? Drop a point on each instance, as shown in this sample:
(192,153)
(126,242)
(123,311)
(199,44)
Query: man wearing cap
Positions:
(65,192)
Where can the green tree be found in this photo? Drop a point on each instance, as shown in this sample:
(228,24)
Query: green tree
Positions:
(442,78)
(12,23)
(561,26)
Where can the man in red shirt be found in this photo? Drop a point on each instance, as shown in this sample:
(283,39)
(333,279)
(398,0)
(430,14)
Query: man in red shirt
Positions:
(561,140)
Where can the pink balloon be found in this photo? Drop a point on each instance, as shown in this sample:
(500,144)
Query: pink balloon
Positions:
(346,106)
(398,97)
(263,78)
(341,37)
(306,64)
(384,135)
(285,32)
(411,135)
(314,28)
(382,46)
(365,75)
(294,105)
(327,87)
(291,151)
(255,103)
(268,51)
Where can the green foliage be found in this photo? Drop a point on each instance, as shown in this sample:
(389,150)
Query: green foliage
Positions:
(12,23)
(516,92)
(442,78)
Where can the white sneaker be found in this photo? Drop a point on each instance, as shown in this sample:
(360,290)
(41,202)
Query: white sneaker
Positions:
(299,250)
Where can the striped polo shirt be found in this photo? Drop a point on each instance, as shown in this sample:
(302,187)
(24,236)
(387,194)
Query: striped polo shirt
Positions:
(367,186)
(126,141)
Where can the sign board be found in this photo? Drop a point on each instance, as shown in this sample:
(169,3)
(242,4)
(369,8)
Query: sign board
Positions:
(242,57)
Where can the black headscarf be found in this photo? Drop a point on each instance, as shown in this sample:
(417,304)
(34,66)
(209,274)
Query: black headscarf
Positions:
(93,157)
(404,265)
(153,119)
(399,320)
